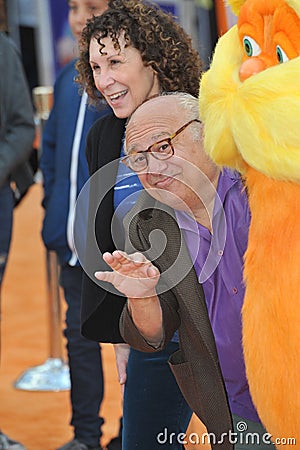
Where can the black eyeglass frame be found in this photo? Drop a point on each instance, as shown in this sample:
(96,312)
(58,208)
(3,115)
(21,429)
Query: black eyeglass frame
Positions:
(160,156)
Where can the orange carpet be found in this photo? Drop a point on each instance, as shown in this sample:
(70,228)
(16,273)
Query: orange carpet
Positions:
(40,419)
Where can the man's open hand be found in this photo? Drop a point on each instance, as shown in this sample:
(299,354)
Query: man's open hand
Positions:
(133,275)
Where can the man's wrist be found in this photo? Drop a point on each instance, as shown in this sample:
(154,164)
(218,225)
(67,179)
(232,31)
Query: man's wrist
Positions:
(146,314)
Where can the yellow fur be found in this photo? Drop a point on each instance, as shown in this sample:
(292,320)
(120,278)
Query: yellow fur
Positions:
(244,122)
(295,5)
(235,5)
(254,127)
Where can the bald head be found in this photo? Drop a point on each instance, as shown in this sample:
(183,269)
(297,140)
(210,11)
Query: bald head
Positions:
(164,146)
(172,107)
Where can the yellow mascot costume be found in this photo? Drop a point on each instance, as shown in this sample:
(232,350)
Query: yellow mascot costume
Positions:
(250,105)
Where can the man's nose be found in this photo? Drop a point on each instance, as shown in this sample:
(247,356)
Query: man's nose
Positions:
(156,166)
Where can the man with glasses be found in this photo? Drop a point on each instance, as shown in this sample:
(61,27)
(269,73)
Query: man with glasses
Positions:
(188,232)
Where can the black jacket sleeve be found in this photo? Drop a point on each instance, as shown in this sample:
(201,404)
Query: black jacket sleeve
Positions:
(101,308)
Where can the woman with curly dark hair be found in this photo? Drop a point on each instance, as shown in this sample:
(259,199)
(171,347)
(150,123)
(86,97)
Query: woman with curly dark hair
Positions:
(130,53)
(162,43)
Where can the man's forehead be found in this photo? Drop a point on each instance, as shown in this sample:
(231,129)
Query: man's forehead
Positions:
(162,106)
(145,133)
(153,120)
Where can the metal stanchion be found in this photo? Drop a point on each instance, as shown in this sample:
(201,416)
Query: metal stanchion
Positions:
(53,374)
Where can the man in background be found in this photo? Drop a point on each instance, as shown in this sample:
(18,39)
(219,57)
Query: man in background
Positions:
(16,137)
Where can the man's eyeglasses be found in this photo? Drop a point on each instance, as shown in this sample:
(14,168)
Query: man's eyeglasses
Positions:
(160,150)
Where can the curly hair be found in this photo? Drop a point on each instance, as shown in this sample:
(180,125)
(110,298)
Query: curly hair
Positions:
(161,41)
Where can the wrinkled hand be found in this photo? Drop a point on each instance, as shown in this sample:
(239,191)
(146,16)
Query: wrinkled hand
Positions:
(122,355)
(133,275)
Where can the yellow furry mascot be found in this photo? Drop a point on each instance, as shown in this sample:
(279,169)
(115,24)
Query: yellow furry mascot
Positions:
(250,105)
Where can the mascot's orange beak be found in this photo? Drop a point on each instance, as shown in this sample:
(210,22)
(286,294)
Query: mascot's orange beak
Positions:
(251,67)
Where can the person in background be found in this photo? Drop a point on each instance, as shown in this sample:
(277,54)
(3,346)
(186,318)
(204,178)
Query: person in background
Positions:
(193,280)
(17,132)
(22,22)
(65,171)
(131,52)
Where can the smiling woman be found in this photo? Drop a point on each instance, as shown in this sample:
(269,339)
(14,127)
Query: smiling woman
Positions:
(121,76)
(161,42)
(130,53)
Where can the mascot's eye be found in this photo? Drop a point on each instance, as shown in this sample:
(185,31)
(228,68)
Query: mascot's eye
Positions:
(251,46)
(281,55)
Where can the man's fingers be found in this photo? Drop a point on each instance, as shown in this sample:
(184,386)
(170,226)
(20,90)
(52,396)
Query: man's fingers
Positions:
(122,373)
(108,257)
(105,276)
(113,260)
(152,272)
(139,258)
(123,258)
(135,265)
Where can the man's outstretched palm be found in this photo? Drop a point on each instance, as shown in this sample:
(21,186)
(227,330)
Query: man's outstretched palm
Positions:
(133,275)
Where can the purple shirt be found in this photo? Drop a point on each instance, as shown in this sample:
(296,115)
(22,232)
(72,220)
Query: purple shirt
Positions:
(218,262)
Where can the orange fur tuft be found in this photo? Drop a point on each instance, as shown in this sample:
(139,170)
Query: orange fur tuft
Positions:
(251,123)
(271,312)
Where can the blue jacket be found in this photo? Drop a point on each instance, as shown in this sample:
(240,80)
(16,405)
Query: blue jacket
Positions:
(59,158)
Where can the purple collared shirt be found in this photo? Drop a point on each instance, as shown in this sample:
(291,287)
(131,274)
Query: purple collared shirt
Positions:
(218,262)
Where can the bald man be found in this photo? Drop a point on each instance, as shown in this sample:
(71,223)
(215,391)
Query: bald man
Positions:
(187,235)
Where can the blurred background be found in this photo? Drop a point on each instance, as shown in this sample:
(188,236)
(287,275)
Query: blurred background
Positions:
(41,31)
(40,420)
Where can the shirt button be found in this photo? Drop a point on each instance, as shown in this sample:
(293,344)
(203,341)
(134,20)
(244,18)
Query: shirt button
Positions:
(220,252)
(234,290)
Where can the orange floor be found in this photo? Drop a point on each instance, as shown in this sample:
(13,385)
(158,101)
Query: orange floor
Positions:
(40,419)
